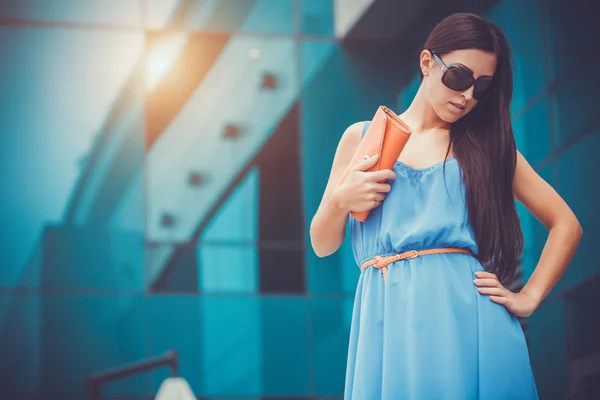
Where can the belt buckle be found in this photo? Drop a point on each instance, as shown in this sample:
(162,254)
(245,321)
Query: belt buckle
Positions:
(411,254)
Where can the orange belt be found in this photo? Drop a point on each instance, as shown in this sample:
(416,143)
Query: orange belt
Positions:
(382,262)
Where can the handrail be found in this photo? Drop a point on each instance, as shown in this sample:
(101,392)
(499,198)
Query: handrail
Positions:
(97,380)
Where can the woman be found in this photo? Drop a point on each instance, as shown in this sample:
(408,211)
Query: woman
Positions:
(438,322)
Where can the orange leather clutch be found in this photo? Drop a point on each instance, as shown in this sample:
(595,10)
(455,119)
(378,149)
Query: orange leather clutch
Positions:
(386,136)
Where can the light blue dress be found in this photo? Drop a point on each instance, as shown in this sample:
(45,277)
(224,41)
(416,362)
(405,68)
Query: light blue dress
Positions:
(427,333)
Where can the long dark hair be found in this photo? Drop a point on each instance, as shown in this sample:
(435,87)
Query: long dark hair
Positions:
(484,146)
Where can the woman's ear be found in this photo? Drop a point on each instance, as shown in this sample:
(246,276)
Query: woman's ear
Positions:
(425,62)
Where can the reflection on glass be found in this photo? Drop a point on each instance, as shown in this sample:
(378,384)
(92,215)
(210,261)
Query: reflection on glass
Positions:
(233,345)
(571,29)
(56,341)
(220,103)
(317,17)
(237,219)
(113,12)
(228,269)
(20,344)
(581,309)
(248,16)
(575,103)
(285,346)
(533,133)
(160,14)
(524,33)
(568,31)
(316,57)
(76,259)
(72,138)
(574,174)
(163,54)
(329,333)
(174,324)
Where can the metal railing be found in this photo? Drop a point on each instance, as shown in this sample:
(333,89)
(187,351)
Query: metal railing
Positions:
(97,380)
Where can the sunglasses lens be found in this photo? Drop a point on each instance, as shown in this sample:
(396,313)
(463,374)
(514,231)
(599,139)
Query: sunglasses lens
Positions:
(482,88)
(482,85)
(457,79)
(460,80)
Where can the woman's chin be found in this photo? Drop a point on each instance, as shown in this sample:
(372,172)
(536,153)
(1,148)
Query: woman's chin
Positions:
(449,113)
(448,117)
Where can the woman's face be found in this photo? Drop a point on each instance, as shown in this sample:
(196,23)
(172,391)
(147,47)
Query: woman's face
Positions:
(451,105)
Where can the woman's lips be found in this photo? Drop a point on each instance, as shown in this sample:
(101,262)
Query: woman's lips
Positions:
(458,107)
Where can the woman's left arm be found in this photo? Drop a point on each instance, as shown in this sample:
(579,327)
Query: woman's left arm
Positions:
(565,231)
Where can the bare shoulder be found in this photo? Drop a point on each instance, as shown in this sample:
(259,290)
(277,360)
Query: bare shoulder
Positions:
(346,148)
(356,128)
(350,139)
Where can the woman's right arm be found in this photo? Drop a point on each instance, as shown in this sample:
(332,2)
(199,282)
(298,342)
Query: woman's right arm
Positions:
(360,191)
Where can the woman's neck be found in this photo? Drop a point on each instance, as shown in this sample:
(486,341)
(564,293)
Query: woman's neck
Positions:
(421,117)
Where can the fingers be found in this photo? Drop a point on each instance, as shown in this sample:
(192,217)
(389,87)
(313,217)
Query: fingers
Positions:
(491,290)
(375,198)
(382,187)
(490,285)
(366,162)
(379,197)
(499,299)
(382,175)
(485,274)
(487,282)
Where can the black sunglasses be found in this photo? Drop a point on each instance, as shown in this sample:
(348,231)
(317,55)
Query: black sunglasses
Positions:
(458,78)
